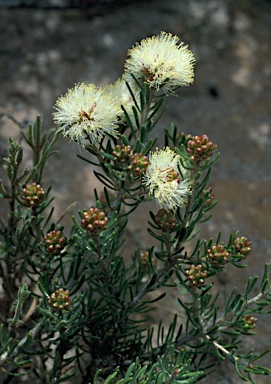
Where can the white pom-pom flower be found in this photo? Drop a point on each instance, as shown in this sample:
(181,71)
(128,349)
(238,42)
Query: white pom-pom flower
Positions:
(86,114)
(120,92)
(162,61)
(167,180)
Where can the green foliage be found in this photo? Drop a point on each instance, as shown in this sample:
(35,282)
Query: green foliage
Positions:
(77,310)
(169,368)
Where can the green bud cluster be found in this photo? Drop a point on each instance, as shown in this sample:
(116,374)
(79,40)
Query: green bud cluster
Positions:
(33,195)
(94,220)
(55,242)
(217,255)
(242,246)
(208,196)
(139,164)
(196,275)
(165,220)
(199,148)
(122,154)
(249,322)
(60,300)
(144,259)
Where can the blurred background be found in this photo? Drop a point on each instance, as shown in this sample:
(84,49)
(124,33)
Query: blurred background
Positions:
(48,46)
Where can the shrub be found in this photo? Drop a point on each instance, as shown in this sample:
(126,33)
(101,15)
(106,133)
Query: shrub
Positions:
(76,310)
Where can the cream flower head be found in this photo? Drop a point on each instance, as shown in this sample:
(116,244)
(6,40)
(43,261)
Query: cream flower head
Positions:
(120,92)
(87,112)
(161,60)
(164,181)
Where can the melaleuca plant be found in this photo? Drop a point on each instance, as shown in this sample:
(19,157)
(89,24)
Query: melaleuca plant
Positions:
(76,310)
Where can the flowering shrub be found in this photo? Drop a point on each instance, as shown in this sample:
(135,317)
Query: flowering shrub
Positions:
(76,310)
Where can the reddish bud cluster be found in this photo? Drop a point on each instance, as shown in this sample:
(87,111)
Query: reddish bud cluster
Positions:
(172,175)
(196,275)
(60,300)
(165,220)
(242,246)
(200,148)
(217,255)
(139,164)
(94,220)
(33,195)
(55,241)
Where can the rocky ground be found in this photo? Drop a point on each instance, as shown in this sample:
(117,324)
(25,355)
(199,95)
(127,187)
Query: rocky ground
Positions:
(44,51)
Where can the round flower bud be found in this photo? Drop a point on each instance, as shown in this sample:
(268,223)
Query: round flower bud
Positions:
(55,242)
(242,246)
(217,255)
(199,148)
(196,275)
(208,196)
(139,164)
(144,258)
(94,220)
(165,220)
(249,322)
(60,300)
(33,195)
(122,154)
